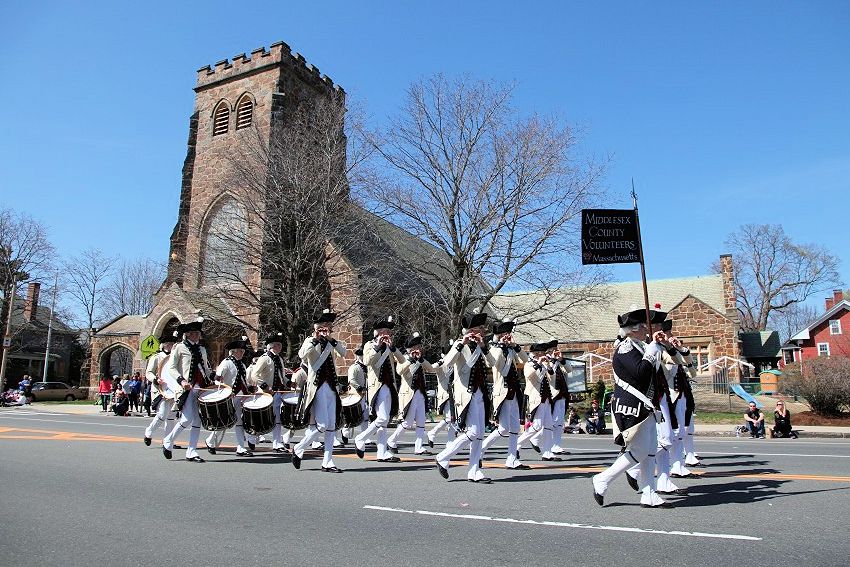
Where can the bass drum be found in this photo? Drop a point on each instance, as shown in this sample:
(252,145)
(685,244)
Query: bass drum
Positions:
(289,417)
(352,410)
(258,414)
(216,409)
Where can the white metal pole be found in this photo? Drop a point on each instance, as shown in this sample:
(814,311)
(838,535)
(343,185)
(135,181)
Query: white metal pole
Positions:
(50,330)
(7,335)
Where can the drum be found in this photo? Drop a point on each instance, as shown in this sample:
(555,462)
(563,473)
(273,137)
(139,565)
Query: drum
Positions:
(352,410)
(258,414)
(216,409)
(289,417)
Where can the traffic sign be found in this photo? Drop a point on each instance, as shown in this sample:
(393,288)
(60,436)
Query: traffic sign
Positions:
(149,347)
(7,342)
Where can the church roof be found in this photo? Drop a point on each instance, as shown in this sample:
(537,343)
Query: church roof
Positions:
(123,325)
(760,344)
(599,322)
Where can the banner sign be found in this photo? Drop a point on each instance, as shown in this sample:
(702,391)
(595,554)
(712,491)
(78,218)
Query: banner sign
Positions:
(609,236)
(577,379)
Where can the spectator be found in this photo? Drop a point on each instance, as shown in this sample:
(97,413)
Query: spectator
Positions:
(25,386)
(104,388)
(573,421)
(135,387)
(782,422)
(146,395)
(594,419)
(121,404)
(754,421)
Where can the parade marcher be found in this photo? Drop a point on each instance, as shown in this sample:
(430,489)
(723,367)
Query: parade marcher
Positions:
(540,389)
(683,405)
(357,386)
(380,357)
(269,373)
(231,372)
(164,408)
(412,395)
(319,397)
(502,358)
(559,403)
(470,397)
(256,355)
(189,364)
(635,365)
(445,405)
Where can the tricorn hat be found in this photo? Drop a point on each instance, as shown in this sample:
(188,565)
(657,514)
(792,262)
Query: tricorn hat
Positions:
(471,320)
(167,338)
(195,325)
(413,341)
(666,325)
(326,316)
(235,344)
(638,316)
(503,326)
(541,347)
(274,338)
(358,352)
(385,323)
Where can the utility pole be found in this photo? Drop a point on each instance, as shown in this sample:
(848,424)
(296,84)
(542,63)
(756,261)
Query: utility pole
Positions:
(50,330)
(7,335)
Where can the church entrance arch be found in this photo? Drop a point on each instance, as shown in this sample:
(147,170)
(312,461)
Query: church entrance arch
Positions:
(115,360)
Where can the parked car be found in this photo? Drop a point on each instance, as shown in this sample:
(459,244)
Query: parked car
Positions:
(45,391)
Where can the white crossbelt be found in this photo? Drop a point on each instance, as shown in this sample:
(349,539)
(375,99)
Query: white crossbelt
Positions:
(635,392)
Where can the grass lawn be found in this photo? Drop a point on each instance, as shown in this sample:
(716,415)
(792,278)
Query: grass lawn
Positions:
(721,417)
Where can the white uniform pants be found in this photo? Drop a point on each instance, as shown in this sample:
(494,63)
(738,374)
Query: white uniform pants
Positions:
(559,410)
(691,456)
(413,420)
(639,450)
(190,419)
(280,435)
(348,432)
(542,428)
(165,416)
(383,406)
(472,436)
(664,434)
(215,438)
(445,423)
(508,428)
(677,451)
(322,424)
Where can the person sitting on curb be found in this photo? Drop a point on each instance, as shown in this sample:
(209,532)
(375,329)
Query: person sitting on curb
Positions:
(121,404)
(755,421)
(573,421)
(782,422)
(594,422)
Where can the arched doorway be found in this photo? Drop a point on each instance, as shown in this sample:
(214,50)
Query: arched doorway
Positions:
(116,360)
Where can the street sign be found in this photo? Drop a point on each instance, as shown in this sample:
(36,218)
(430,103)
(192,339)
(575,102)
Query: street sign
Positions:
(7,342)
(149,347)
(609,236)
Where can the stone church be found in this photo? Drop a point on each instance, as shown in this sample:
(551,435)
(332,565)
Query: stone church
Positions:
(253,95)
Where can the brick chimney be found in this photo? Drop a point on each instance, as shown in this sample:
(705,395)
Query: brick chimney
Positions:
(837,297)
(31,302)
(727,273)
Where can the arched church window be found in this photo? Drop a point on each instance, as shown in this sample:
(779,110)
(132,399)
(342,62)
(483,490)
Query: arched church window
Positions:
(221,118)
(224,236)
(244,112)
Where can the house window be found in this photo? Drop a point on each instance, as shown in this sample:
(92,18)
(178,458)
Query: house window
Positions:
(835,327)
(823,349)
(699,355)
(224,244)
(221,118)
(244,112)
(788,354)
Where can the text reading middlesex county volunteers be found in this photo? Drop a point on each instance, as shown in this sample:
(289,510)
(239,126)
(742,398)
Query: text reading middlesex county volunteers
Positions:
(609,236)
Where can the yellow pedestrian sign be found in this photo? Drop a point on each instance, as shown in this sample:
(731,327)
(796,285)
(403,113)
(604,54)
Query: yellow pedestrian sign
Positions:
(149,347)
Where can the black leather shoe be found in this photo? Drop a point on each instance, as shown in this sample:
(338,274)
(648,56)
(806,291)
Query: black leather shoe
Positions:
(344,441)
(480,463)
(296,461)
(599,498)
(392,459)
(485,480)
(287,446)
(551,459)
(677,492)
(360,452)
(252,446)
(522,467)
(244,454)
(148,441)
(535,447)
(196,459)
(280,450)
(632,482)
(683,475)
(425,452)
(211,450)
(331,469)
(393,450)
(166,453)
(431,443)
(444,472)
(662,505)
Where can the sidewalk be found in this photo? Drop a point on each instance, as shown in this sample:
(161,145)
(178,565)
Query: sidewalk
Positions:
(708,429)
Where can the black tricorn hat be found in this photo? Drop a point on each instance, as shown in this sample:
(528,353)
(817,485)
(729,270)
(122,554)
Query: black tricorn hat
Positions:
(359,352)
(195,325)
(167,338)
(385,323)
(666,325)
(413,341)
(504,326)
(553,342)
(238,343)
(326,316)
(638,316)
(541,347)
(471,320)
(274,338)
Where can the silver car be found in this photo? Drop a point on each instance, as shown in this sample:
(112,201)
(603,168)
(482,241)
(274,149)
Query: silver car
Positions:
(46,391)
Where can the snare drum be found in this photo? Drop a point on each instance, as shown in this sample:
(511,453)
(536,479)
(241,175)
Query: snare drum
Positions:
(288,414)
(352,410)
(258,414)
(216,409)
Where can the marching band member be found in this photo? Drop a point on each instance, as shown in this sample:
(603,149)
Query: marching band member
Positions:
(319,396)
(412,395)
(188,362)
(540,391)
(231,371)
(559,403)
(165,414)
(445,405)
(683,407)
(502,357)
(380,357)
(635,365)
(357,385)
(252,440)
(269,372)
(470,397)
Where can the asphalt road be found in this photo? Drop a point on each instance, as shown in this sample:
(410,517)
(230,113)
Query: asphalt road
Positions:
(84,490)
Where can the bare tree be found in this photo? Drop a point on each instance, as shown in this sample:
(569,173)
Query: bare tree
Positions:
(772,273)
(85,278)
(792,320)
(498,195)
(132,287)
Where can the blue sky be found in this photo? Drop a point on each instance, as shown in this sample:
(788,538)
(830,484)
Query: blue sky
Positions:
(724,113)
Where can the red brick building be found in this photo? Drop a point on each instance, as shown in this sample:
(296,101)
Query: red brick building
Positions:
(828,335)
